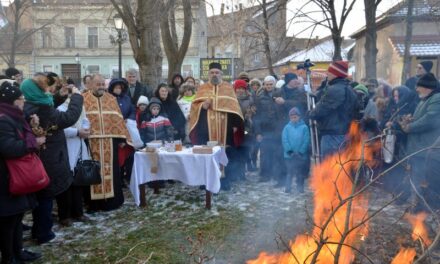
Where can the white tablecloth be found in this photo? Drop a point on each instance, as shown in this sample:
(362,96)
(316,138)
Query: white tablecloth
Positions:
(185,166)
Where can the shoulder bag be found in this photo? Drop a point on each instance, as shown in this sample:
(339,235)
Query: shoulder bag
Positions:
(87,172)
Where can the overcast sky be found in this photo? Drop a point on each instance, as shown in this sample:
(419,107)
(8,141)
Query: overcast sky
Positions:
(355,20)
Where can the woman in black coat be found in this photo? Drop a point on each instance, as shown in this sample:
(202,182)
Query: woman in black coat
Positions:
(54,154)
(172,110)
(16,140)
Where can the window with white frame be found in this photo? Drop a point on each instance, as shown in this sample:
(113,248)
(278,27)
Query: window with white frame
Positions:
(69,34)
(93,37)
(46,38)
(92,69)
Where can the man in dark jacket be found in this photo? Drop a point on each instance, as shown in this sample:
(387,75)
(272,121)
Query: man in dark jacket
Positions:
(54,155)
(335,108)
(422,68)
(135,88)
(268,131)
(291,95)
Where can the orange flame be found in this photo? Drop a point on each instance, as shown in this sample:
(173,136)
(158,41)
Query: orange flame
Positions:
(419,229)
(405,256)
(332,182)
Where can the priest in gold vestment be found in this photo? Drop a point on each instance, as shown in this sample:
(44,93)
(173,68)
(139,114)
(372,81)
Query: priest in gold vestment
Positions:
(216,116)
(107,132)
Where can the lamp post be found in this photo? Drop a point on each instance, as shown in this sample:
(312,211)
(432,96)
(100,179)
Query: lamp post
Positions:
(78,68)
(119,25)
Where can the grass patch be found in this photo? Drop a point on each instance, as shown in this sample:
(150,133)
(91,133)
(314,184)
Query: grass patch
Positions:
(163,236)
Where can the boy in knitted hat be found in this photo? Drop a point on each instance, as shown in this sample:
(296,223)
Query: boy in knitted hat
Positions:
(296,140)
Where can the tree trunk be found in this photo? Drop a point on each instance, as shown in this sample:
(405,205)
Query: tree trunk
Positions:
(144,37)
(267,49)
(407,56)
(370,56)
(175,54)
(337,42)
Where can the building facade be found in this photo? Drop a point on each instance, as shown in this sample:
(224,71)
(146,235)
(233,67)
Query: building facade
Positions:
(391,31)
(78,39)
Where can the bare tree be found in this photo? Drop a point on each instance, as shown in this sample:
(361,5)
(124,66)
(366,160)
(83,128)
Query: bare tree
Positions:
(14,34)
(370,38)
(408,37)
(175,53)
(267,33)
(332,21)
(142,19)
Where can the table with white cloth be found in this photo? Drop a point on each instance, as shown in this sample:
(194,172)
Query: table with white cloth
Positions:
(184,166)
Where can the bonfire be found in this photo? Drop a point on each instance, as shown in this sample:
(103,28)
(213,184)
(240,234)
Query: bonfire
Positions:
(340,214)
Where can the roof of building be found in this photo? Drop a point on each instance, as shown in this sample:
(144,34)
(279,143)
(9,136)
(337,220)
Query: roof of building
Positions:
(321,52)
(426,45)
(423,10)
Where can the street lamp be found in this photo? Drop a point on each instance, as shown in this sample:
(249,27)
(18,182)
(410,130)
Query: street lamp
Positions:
(119,25)
(78,68)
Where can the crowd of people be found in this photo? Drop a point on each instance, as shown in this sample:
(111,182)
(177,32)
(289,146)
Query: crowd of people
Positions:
(264,126)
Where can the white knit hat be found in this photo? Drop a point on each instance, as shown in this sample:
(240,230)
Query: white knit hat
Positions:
(279,84)
(143,100)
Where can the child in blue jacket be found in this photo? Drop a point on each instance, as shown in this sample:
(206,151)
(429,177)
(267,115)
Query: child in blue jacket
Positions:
(296,140)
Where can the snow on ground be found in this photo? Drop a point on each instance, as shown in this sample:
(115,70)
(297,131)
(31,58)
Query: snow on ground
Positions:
(264,212)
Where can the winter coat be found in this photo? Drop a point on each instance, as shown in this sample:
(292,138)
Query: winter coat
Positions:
(154,128)
(296,97)
(296,139)
(55,156)
(425,127)
(404,107)
(127,108)
(246,104)
(174,114)
(335,109)
(11,146)
(185,105)
(268,120)
(175,90)
(73,141)
(139,90)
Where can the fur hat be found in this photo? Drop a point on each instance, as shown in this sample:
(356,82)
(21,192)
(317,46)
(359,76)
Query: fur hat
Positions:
(9,93)
(142,100)
(339,68)
(428,81)
(427,65)
(240,84)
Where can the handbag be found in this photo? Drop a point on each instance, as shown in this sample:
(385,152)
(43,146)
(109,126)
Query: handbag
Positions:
(87,172)
(26,174)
